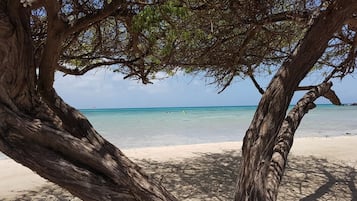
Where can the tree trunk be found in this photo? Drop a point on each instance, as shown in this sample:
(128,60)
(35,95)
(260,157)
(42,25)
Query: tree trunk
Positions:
(254,180)
(40,131)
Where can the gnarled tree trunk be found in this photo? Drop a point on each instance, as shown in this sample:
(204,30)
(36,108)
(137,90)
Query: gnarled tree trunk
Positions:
(40,131)
(262,141)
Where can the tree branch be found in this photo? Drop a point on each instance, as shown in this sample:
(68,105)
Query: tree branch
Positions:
(229,81)
(84,158)
(238,56)
(87,68)
(330,95)
(305,88)
(89,20)
(55,30)
(298,16)
(256,84)
(285,137)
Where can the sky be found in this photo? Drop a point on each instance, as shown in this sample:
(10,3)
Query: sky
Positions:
(102,88)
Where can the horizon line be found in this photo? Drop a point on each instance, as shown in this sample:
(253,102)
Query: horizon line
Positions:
(202,106)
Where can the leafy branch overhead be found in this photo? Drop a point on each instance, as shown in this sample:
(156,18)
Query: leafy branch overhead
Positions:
(223,39)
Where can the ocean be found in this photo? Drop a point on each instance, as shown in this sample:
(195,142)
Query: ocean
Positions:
(149,127)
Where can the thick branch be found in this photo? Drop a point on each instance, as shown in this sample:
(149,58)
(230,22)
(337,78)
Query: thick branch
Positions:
(285,137)
(330,95)
(96,164)
(52,46)
(80,182)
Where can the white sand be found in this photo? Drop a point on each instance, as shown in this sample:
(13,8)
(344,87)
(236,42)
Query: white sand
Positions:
(341,148)
(16,179)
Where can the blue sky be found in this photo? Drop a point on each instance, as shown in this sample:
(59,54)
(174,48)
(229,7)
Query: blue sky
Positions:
(104,89)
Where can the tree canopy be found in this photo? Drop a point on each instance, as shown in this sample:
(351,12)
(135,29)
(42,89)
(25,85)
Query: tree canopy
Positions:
(224,39)
(228,39)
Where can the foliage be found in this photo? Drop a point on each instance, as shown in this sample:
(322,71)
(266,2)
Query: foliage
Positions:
(224,39)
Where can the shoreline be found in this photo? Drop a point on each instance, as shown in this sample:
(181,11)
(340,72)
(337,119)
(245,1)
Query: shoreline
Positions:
(16,180)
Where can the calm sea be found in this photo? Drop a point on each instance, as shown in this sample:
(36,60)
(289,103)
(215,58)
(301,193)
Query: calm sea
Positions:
(147,127)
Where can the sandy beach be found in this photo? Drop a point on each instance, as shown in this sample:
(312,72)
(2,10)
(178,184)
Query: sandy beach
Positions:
(320,168)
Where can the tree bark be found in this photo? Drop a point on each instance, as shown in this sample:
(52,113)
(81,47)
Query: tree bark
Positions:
(39,130)
(261,137)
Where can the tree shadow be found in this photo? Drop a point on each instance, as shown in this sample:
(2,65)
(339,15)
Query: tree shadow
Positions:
(205,177)
(212,177)
(311,178)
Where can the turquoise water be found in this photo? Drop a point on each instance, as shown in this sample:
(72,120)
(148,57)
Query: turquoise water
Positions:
(146,127)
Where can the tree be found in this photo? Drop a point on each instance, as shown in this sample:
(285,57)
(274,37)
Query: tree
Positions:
(270,135)
(38,129)
(41,131)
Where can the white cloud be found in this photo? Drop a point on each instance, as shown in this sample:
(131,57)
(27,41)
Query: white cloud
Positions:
(105,87)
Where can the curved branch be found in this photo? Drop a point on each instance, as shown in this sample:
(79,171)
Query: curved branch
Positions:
(285,137)
(97,163)
(330,95)
(87,68)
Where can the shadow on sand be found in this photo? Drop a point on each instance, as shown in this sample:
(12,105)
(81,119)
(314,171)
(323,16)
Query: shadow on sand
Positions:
(212,177)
